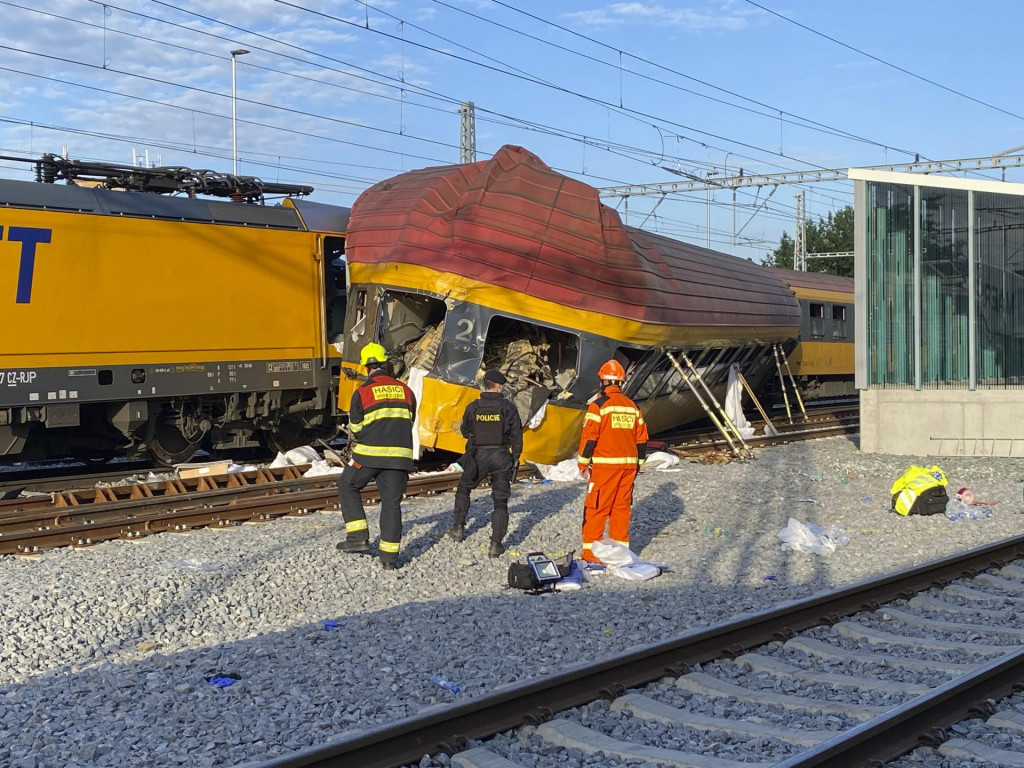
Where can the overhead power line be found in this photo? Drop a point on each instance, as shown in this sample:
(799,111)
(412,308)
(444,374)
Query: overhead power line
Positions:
(897,67)
(775,112)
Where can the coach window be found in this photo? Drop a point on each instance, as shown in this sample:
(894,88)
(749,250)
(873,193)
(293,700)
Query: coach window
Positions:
(817,317)
(838,321)
(653,383)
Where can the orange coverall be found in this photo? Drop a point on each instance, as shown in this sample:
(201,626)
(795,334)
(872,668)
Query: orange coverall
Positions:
(612,448)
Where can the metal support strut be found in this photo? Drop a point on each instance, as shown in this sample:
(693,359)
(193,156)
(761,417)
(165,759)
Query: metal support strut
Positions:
(739,452)
(796,390)
(769,428)
(782,382)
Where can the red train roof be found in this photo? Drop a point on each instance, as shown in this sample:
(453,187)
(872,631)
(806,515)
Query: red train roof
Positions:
(514,223)
(818,280)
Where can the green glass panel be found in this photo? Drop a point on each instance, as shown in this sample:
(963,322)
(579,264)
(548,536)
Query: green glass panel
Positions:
(890,285)
(999,266)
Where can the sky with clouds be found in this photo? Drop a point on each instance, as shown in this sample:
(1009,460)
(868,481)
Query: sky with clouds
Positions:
(340,94)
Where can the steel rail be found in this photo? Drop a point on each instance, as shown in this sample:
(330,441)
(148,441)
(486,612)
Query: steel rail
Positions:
(448,730)
(921,721)
(90,524)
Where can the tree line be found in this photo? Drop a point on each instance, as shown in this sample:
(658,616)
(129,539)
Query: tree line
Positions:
(826,235)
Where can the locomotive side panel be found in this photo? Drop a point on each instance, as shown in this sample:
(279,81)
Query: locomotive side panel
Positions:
(134,331)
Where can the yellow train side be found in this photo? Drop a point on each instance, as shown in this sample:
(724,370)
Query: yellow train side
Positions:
(154,326)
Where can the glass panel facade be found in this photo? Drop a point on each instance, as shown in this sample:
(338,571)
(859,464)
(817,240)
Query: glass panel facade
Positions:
(890,285)
(999,241)
(944,289)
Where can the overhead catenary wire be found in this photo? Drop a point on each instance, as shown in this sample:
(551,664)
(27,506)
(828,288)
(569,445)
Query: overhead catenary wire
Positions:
(880,60)
(619,149)
(518,122)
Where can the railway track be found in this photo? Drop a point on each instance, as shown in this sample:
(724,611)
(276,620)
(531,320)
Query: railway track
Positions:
(926,657)
(82,518)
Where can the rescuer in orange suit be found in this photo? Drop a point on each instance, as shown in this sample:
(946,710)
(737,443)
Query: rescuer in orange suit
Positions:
(612,449)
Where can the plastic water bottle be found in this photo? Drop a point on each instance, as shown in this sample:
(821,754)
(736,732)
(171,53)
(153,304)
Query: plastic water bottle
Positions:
(956,510)
(838,535)
(453,687)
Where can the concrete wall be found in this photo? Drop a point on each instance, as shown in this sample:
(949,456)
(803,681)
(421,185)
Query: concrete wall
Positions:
(950,422)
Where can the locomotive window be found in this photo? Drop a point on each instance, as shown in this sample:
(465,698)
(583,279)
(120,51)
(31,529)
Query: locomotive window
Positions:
(838,321)
(817,318)
(335,288)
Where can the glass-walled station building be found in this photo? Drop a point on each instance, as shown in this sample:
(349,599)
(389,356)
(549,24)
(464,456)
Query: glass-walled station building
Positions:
(940,314)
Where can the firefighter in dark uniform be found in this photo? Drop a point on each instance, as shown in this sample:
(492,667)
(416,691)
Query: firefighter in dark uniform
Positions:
(494,442)
(381,419)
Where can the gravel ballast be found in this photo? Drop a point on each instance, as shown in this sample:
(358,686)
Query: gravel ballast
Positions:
(106,651)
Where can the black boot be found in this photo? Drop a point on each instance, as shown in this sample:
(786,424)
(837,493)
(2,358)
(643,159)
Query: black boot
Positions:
(387,565)
(496,549)
(354,546)
(457,532)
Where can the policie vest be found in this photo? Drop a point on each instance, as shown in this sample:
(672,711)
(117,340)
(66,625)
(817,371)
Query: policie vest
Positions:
(488,423)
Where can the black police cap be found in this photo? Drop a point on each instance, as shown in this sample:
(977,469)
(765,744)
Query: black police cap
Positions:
(496,377)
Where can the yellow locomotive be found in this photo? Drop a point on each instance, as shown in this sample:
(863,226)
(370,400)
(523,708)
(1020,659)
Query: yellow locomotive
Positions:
(508,264)
(142,324)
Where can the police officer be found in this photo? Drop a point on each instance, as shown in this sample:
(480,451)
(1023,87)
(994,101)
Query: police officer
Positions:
(381,419)
(494,442)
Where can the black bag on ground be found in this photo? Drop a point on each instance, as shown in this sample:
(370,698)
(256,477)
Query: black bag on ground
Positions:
(931,501)
(522,574)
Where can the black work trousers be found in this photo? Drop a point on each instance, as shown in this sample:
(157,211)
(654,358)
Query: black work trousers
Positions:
(391,484)
(495,461)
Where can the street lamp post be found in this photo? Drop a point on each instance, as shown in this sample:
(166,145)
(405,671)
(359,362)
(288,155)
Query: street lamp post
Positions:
(234,125)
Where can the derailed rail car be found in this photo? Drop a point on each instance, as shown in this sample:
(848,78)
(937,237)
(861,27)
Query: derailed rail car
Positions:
(139,324)
(508,264)
(823,359)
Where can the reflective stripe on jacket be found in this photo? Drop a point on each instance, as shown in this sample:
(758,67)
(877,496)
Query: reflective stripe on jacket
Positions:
(381,422)
(912,484)
(614,432)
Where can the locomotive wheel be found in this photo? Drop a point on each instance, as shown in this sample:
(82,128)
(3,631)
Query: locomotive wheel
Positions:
(169,447)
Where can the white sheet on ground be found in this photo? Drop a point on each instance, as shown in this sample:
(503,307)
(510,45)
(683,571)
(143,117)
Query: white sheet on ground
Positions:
(305,454)
(562,472)
(661,460)
(734,403)
(621,561)
(321,467)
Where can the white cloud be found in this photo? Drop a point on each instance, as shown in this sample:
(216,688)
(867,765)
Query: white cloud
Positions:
(720,16)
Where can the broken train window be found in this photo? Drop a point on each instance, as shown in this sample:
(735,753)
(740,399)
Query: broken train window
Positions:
(540,362)
(411,328)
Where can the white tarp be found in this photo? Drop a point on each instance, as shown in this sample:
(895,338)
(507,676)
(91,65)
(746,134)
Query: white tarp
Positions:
(562,472)
(304,454)
(621,561)
(734,403)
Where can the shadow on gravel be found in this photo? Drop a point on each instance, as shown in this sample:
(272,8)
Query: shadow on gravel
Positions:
(361,649)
